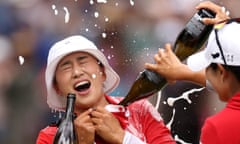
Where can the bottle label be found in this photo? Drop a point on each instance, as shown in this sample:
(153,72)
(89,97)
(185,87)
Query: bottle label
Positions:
(195,26)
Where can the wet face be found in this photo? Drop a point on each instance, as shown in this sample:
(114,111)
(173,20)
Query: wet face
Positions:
(80,73)
(218,79)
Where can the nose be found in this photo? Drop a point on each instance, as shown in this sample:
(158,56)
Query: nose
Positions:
(77,72)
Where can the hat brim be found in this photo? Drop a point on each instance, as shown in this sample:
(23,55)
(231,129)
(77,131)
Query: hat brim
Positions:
(198,61)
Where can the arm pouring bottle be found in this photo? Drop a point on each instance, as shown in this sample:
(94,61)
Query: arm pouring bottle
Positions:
(189,41)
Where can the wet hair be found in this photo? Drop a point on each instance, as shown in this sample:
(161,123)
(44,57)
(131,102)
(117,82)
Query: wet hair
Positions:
(234,69)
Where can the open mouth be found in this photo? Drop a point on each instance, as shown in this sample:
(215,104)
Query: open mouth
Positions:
(82,86)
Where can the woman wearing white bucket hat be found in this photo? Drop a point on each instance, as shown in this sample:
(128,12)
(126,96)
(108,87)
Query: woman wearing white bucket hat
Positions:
(218,65)
(75,65)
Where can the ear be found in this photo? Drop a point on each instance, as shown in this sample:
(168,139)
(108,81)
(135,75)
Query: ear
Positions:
(223,73)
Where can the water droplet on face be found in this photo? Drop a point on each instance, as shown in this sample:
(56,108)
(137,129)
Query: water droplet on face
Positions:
(94,76)
(131,2)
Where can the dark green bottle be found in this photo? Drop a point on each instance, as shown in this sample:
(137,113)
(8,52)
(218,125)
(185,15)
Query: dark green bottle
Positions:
(66,132)
(189,41)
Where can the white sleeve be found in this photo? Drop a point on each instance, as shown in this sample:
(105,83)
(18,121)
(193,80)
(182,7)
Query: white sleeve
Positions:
(131,139)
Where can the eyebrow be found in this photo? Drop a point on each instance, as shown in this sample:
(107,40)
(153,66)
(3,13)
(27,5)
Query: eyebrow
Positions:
(82,57)
(64,63)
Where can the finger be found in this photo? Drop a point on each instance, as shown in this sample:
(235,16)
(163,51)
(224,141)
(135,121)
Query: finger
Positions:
(209,21)
(150,66)
(209,5)
(168,48)
(157,58)
(96,114)
(85,113)
(161,52)
(97,121)
(84,116)
(214,7)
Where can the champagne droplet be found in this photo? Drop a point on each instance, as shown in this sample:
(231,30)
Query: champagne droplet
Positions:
(21,60)
(67,15)
(94,76)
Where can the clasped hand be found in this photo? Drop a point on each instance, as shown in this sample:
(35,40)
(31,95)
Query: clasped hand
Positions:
(98,121)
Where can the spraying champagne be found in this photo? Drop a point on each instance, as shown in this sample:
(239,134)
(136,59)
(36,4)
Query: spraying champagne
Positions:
(189,41)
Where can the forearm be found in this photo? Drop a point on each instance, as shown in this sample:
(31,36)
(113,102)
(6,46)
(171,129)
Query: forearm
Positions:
(197,77)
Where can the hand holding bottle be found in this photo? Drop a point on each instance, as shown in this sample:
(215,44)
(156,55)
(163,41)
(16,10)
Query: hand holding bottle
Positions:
(98,122)
(168,65)
(107,126)
(85,129)
(189,41)
(221,12)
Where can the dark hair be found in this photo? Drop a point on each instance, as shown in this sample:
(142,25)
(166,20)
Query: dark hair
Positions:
(100,64)
(234,69)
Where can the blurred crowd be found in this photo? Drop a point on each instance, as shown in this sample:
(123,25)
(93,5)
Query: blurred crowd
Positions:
(128,32)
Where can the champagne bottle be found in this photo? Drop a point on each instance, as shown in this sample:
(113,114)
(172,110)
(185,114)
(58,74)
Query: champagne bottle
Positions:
(189,41)
(66,132)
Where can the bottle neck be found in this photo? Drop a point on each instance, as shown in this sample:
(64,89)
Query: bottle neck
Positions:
(70,105)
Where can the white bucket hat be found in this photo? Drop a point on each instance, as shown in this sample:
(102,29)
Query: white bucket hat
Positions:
(229,38)
(64,47)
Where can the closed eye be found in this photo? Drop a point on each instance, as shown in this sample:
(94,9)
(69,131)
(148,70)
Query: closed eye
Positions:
(65,65)
(83,60)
